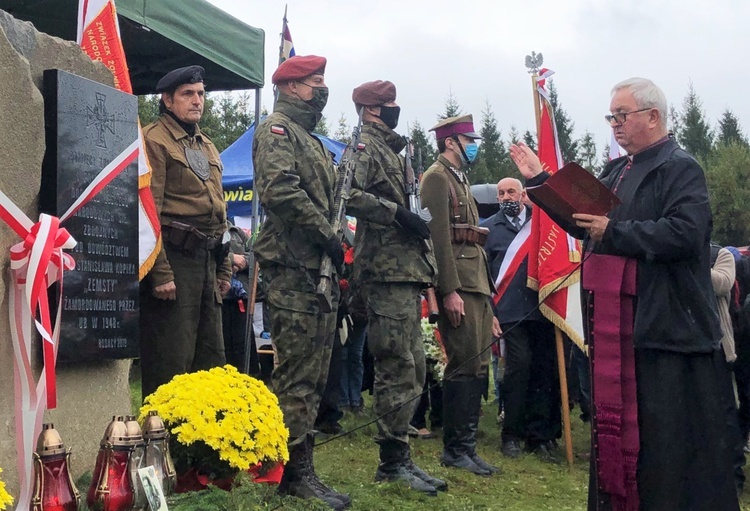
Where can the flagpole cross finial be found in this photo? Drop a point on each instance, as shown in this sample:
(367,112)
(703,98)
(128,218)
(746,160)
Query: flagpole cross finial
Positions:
(534,62)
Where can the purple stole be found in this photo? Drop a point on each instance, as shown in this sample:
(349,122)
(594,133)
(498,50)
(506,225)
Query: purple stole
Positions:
(612,280)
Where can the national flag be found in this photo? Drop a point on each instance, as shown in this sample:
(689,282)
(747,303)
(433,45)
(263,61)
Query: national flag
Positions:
(99,36)
(555,255)
(287,46)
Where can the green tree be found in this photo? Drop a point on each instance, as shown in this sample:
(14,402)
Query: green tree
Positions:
(422,147)
(226,118)
(494,161)
(148,109)
(322,127)
(727,174)
(564,125)
(730,131)
(529,140)
(451,106)
(513,136)
(343,131)
(587,153)
(695,134)
(675,124)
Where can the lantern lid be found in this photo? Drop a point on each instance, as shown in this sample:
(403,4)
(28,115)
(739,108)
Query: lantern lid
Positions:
(153,427)
(116,433)
(134,430)
(49,443)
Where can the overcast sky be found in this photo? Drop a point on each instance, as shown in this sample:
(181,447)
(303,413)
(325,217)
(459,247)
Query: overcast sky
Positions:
(477,49)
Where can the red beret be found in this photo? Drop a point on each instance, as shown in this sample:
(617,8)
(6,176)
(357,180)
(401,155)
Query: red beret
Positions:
(374,93)
(298,67)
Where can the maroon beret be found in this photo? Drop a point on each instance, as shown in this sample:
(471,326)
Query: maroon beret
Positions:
(374,93)
(298,67)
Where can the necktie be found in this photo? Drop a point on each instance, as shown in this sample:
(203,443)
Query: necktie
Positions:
(517,223)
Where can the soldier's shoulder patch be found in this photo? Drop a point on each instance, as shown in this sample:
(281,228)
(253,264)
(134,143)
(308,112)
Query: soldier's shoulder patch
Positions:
(360,147)
(278,129)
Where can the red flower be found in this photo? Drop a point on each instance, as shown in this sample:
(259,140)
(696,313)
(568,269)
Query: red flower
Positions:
(344,285)
(349,256)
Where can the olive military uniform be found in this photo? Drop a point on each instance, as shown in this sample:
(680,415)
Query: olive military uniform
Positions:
(183,335)
(296,182)
(462,267)
(392,266)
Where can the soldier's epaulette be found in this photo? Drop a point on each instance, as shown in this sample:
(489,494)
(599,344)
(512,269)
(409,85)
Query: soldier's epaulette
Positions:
(277,129)
(360,147)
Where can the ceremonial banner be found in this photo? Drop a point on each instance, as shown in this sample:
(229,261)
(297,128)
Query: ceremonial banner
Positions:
(99,36)
(287,46)
(554,255)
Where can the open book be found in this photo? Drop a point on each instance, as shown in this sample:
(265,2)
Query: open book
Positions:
(572,189)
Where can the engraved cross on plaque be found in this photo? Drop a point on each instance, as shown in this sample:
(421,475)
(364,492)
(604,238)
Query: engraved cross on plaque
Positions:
(101,119)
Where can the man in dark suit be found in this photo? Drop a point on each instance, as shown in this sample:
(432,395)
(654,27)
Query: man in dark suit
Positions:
(530,387)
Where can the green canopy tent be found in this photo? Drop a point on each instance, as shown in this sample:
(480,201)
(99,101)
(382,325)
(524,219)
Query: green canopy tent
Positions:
(161,35)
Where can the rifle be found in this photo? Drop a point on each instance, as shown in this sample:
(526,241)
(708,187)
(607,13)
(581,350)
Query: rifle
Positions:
(338,215)
(415,206)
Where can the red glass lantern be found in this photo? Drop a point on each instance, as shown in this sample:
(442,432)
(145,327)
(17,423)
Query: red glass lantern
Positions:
(111,489)
(54,489)
(156,437)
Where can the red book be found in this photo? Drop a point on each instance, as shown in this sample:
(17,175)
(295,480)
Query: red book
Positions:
(572,189)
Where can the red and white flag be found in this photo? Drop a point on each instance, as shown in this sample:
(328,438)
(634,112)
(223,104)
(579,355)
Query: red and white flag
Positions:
(554,254)
(99,36)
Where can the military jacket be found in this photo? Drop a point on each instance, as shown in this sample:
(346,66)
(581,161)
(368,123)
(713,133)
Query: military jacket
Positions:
(179,193)
(241,245)
(384,252)
(296,183)
(460,266)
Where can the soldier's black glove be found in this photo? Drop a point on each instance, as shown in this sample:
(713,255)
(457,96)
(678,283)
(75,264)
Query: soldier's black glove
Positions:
(332,247)
(412,223)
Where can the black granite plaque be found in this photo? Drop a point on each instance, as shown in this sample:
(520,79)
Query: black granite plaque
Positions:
(87,126)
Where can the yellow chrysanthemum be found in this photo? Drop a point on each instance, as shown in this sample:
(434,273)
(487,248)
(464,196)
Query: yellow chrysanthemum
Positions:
(5,498)
(234,414)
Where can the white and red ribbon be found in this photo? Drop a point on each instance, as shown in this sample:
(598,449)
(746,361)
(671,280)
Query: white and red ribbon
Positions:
(514,256)
(36,263)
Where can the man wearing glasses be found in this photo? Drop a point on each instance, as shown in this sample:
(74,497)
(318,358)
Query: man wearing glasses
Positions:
(659,432)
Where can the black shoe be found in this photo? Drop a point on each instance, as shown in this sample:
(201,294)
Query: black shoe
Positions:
(299,479)
(327,490)
(439,484)
(547,452)
(511,449)
(462,460)
(330,428)
(393,468)
(492,469)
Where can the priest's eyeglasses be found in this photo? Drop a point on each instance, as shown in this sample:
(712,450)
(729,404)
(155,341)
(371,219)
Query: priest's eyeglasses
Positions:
(621,117)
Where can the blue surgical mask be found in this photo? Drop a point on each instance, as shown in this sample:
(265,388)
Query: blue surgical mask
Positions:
(471,151)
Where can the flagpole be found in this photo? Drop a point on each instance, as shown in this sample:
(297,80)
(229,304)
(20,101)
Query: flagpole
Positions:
(533,63)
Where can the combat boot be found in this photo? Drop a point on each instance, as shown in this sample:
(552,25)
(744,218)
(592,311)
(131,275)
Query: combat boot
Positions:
(475,405)
(392,468)
(299,481)
(343,497)
(439,484)
(457,436)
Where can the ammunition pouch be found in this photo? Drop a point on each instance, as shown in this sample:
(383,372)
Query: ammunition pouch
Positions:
(465,233)
(190,240)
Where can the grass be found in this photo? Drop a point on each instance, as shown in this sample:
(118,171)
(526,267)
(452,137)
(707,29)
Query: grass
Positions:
(349,463)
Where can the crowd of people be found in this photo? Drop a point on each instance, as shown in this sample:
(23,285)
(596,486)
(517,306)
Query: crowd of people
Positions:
(664,310)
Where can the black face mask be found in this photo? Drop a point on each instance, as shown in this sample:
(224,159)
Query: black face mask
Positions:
(319,99)
(389,115)
(511,208)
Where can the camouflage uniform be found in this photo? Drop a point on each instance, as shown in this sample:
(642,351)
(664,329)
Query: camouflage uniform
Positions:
(392,266)
(183,335)
(296,184)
